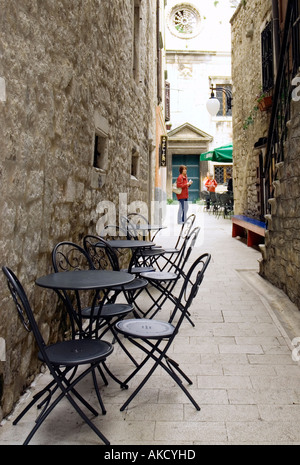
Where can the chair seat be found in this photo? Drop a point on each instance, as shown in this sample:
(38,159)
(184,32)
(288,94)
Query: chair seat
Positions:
(137,283)
(145,328)
(78,352)
(108,310)
(151,252)
(172,250)
(140,269)
(160,276)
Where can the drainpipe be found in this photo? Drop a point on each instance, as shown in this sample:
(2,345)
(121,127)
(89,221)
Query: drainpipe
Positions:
(276,32)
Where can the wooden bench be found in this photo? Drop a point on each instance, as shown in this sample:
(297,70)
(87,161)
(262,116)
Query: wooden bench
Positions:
(254,229)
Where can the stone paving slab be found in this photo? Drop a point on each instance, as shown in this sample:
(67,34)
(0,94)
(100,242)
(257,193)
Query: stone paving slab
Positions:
(238,355)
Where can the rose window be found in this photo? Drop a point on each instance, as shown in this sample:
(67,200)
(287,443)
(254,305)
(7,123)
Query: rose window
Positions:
(184,21)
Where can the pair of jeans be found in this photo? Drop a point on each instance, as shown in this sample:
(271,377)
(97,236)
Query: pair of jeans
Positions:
(182,210)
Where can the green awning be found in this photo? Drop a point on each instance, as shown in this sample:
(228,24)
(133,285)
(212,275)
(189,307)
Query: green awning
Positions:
(220,154)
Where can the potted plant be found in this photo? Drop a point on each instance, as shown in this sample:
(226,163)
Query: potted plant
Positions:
(264,101)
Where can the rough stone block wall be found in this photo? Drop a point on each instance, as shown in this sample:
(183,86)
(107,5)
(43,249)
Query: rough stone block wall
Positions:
(247,23)
(281,254)
(63,62)
(280,262)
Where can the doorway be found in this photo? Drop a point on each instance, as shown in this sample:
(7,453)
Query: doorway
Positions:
(193,171)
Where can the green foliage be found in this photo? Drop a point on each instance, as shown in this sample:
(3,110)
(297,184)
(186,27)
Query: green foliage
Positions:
(250,119)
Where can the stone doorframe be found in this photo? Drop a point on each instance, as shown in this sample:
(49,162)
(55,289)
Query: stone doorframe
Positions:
(185,140)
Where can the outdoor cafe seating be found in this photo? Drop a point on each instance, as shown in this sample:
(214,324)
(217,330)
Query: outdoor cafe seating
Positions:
(154,337)
(167,260)
(134,229)
(102,312)
(63,361)
(138,227)
(89,282)
(162,283)
(103,253)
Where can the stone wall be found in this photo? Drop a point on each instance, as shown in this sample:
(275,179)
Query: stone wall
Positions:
(280,263)
(247,24)
(68,68)
(281,254)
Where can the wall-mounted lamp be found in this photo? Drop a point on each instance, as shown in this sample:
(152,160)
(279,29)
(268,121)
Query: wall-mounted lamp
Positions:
(213,104)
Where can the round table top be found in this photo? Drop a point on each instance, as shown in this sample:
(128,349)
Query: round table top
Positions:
(85,279)
(130,244)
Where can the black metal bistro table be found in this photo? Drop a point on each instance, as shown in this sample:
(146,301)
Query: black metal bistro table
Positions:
(130,244)
(83,280)
(99,281)
(136,245)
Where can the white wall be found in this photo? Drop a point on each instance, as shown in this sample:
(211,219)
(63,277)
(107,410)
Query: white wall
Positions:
(190,63)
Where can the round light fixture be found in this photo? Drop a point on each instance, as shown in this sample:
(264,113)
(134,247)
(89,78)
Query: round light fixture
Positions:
(213,106)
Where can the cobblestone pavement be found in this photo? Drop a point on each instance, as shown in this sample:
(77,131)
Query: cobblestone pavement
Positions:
(239,356)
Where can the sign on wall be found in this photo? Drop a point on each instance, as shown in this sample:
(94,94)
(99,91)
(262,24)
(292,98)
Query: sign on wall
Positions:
(163,151)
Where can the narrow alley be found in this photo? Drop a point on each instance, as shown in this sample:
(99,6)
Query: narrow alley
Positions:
(239,356)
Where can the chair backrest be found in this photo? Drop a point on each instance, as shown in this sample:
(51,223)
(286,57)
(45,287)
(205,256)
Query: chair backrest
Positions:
(137,218)
(190,287)
(181,242)
(185,251)
(225,198)
(213,197)
(68,256)
(133,221)
(102,255)
(185,229)
(130,228)
(24,310)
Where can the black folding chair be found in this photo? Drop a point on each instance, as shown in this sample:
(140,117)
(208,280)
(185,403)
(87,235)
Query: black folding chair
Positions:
(162,283)
(168,259)
(155,337)
(214,202)
(226,204)
(137,219)
(63,360)
(101,252)
(113,232)
(67,256)
(147,257)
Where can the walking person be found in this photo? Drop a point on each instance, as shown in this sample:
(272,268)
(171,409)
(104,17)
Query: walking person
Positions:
(184,184)
(205,188)
(205,180)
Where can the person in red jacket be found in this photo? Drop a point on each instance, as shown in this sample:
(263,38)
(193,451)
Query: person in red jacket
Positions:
(184,183)
(211,185)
